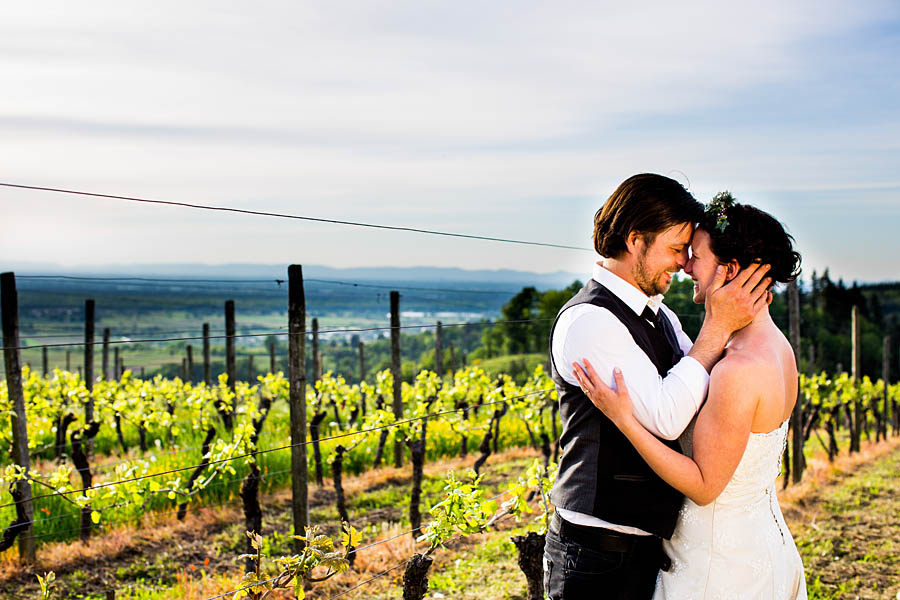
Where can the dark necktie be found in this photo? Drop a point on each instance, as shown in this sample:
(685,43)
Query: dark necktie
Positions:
(650,316)
(664,330)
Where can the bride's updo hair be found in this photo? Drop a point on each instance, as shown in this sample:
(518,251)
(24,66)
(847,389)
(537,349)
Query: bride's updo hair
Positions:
(747,234)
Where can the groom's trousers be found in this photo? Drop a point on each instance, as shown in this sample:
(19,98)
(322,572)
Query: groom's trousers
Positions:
(590,563)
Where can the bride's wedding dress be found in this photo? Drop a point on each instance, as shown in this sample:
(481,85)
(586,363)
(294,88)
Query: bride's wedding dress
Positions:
(738,546)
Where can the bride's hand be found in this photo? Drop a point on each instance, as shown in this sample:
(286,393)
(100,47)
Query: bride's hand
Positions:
(615,404)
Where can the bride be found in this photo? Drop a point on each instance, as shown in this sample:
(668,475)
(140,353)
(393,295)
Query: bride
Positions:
(731,540)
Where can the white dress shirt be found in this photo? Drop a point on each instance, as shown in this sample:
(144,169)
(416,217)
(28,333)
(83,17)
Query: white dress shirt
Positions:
(665,406)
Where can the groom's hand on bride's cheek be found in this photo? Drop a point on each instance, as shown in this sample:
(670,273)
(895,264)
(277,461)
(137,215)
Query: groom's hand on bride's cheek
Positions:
(731,306)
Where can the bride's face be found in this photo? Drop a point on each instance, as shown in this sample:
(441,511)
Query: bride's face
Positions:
(702,265)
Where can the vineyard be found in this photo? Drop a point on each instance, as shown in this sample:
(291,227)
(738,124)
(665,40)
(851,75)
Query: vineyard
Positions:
(321,483)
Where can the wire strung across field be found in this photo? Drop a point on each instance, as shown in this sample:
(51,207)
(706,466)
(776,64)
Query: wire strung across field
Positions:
(80,333)
(106,524)
(269,296)
(106,466)
(275,333)
(156,514)
(267,450)
(148,457)
(296,217)
(35,451)
(278,282)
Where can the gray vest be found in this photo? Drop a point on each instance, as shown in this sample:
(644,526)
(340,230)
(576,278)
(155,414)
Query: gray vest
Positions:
(600,472)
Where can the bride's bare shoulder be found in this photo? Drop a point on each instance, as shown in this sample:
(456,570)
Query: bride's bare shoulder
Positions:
(741,374)
(738,363)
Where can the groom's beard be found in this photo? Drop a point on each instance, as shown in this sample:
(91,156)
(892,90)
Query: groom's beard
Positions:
(651,284)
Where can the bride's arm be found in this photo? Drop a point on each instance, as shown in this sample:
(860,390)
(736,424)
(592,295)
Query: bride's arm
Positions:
(720,434)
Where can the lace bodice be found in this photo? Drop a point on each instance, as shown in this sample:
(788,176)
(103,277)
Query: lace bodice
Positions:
(758,469)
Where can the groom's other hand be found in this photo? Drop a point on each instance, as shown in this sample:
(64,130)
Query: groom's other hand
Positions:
(729,307)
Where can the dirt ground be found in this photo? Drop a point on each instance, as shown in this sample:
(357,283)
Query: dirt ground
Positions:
(847,526)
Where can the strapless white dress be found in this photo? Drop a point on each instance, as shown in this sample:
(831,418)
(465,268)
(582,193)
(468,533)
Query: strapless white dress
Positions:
(737,547)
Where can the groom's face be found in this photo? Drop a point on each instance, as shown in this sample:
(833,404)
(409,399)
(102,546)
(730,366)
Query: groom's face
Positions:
(659,260)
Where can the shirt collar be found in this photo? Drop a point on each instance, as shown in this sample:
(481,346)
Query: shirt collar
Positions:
(634,298)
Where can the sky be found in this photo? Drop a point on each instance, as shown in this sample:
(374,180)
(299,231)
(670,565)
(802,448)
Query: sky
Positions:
(503,119)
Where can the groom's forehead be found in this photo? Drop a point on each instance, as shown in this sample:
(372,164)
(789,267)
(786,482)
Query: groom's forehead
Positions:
(681,233)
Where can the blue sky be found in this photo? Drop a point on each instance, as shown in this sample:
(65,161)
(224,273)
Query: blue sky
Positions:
(507,119)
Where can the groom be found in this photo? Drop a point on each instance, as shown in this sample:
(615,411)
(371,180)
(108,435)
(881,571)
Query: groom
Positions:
(612,510)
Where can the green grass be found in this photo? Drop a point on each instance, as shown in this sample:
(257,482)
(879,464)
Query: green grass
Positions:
(850,550)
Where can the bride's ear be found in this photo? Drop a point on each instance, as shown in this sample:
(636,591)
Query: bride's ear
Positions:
(732,268)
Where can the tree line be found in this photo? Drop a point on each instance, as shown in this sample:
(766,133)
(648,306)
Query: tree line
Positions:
(825,308)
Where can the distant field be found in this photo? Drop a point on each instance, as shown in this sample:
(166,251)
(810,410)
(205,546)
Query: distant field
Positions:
(164,325)
(52,312)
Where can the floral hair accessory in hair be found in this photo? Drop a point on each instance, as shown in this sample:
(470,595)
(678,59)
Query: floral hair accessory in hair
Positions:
(718,208)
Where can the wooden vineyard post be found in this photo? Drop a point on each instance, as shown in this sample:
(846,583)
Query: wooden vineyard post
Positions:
(316,356)
(89,359)
(439,350)
(105,371)
(856,368)
(206,367)
(797,414)
(362,362)
(250,373)
(183,372)
(452,358)
(230,366)
(297,375)
(272,358)
(117,364)
(396,371)
(46,361)
(886,378)
(190,363)
(226,412)
(69,361)
(13,362)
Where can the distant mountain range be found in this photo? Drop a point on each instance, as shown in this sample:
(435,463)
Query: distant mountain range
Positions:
(501,279)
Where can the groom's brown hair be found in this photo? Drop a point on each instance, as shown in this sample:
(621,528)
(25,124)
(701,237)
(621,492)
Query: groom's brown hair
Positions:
(646,203)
